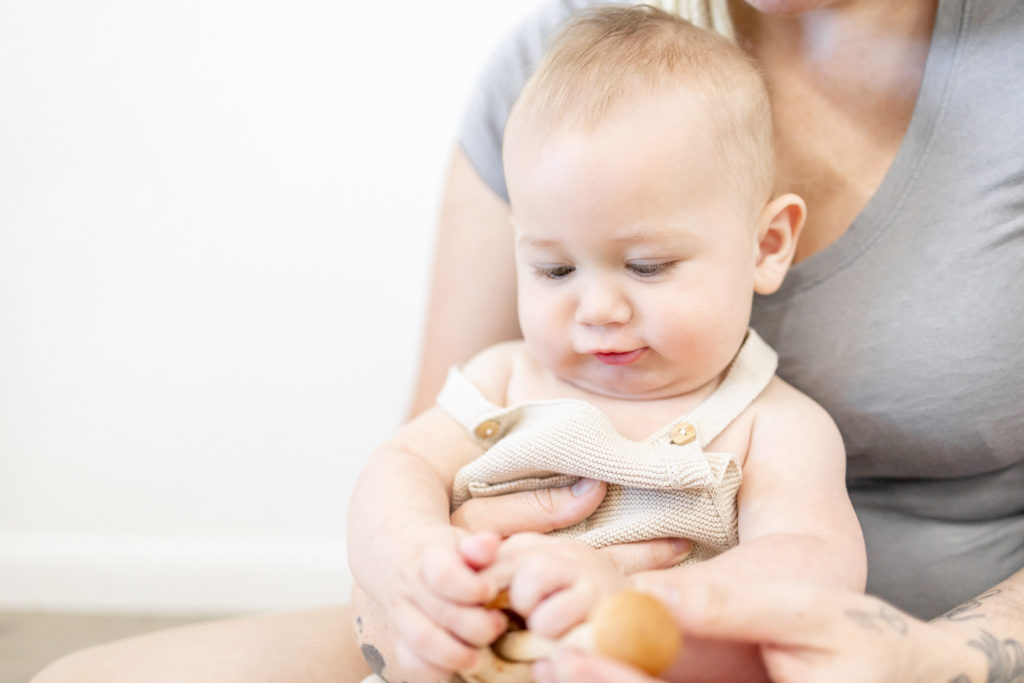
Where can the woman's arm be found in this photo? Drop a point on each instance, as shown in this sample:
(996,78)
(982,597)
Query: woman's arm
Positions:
(993,625)
(811,633)
(472,294)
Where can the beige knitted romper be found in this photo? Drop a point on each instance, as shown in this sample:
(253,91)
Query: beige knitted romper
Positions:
(666,486)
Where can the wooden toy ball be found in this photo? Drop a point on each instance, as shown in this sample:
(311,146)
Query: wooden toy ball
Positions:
(636,628)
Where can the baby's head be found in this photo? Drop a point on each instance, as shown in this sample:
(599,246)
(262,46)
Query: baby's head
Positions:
(609,59)
(639,166)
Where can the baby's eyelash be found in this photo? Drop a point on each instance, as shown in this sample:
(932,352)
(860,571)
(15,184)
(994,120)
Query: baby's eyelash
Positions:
(553,272)
(645,269)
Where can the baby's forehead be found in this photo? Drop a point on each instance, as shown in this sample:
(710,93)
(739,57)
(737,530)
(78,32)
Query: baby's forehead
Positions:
(542,237)
(529,121)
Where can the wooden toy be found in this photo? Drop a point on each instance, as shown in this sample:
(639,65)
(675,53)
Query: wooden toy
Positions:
(629,626)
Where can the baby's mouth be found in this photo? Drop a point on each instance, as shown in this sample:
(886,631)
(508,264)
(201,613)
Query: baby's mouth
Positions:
(620,357)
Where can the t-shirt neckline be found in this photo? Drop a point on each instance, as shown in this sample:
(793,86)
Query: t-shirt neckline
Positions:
(884,206)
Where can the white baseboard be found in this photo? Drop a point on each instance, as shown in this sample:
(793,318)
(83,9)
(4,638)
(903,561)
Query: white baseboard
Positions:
(111,574)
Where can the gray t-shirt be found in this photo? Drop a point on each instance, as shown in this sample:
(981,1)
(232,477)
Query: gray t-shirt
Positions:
(909,329)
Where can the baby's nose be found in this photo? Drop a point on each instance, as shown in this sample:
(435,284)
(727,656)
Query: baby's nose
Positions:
(602,303)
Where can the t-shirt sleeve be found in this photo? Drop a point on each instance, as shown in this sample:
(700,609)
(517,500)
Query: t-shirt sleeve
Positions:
(503,77)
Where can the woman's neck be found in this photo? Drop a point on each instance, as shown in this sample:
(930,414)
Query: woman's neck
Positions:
(844,80)
(845,34)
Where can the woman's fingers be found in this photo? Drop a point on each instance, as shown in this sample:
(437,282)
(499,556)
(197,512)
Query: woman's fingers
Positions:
(568,666)
(661,553)
(808,632)
(541,511)
(771,613)
(802,633)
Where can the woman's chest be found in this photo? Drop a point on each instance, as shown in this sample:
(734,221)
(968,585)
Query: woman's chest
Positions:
(915,347)
(834,157)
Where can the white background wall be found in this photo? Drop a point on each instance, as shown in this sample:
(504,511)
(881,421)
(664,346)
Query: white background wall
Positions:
(215,231)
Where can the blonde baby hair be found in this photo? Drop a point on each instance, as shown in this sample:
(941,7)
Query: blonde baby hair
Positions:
(607,57)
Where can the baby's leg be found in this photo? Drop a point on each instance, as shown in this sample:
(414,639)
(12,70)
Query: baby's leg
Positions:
(315,645)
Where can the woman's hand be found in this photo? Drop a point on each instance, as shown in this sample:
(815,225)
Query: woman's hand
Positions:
(545,510)
(805,633)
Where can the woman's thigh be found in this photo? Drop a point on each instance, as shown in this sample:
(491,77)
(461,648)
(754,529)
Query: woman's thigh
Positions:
(316,645)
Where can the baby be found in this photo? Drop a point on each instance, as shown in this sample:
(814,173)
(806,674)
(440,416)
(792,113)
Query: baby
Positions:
(639,167)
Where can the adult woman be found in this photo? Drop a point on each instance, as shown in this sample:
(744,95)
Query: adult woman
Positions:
(902,317)
(891,123)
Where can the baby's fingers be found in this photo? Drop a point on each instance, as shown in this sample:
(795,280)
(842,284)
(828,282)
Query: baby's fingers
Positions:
(474,625)
(447,575)
(480,549)
(426,649)
(536,579)
(563,610)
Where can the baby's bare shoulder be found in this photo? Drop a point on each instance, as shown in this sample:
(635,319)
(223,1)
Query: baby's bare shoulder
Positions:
(492,369)
(782,401)
(786,418)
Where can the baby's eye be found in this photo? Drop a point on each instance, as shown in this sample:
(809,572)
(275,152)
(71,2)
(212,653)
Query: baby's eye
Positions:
(650,268)
(553,271)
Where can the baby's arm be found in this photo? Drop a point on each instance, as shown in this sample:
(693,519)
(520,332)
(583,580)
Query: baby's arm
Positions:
(403,551)
(796,521)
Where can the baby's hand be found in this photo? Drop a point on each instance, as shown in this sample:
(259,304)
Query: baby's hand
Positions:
(437,610)
(553,582)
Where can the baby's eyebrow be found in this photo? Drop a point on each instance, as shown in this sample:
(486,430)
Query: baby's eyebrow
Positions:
(630,235)
(649,233)
(530,241)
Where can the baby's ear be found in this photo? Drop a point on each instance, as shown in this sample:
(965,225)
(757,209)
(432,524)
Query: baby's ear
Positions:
(777,232)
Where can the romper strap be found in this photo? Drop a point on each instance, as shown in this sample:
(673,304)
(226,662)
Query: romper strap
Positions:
(748,375)
(464,401)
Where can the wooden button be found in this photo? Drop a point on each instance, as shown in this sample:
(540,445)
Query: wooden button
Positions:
(683,433)
(487,429)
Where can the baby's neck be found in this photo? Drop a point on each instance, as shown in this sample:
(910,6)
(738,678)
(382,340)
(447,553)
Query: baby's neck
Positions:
(633,417)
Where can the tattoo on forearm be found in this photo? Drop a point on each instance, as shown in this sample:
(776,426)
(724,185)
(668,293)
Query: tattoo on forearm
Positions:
(961,612)
(1005,659)
(885,619)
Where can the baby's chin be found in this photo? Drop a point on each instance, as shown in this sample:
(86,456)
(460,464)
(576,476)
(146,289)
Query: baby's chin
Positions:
(631,384)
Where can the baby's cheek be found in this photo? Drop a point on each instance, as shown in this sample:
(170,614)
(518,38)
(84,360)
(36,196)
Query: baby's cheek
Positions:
(546,337)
